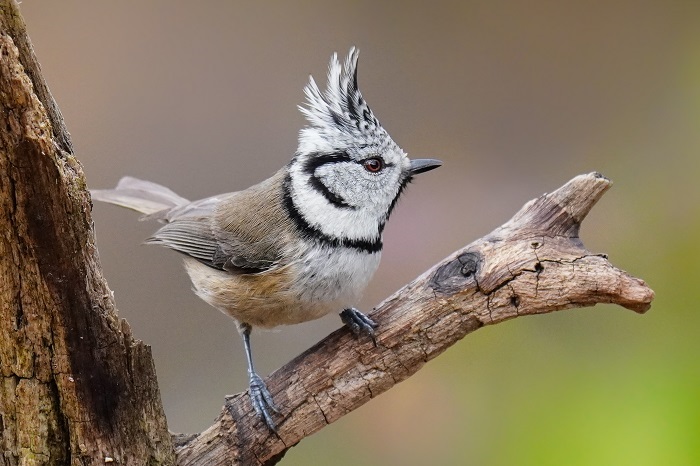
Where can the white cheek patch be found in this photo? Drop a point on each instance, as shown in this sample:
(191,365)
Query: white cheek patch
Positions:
(342,223)
(339,179)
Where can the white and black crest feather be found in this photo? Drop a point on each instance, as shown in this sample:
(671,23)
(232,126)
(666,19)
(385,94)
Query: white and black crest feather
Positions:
(340,114)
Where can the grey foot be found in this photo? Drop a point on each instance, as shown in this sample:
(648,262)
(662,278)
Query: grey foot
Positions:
(359,323)
(261,400)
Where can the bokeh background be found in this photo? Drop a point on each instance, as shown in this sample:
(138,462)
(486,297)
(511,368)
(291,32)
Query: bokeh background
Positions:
(516,98)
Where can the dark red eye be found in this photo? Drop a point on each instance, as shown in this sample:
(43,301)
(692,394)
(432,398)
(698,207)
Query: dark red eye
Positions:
(373,165)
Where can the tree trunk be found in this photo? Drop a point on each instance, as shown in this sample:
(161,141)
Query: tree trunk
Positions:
(78,389)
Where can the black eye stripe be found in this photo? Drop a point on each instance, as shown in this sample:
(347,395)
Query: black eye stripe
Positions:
(317,159)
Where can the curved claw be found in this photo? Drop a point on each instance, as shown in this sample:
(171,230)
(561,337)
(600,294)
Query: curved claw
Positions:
(262,402)
(359,323)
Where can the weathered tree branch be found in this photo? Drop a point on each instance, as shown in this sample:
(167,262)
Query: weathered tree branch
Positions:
(533,264)
(76,388)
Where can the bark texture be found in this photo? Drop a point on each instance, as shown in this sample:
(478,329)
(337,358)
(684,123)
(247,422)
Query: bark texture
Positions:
(75,387)
(533,264)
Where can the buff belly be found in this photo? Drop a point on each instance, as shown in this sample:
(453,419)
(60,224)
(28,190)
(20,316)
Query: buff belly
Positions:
(324,283)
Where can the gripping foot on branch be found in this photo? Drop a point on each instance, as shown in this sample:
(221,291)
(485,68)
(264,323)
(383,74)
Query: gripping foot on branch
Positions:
(262,401)
(359,323)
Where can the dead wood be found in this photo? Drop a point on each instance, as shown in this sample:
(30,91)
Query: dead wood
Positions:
(76,388)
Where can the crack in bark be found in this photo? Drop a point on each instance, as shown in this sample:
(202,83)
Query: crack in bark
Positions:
(320,409)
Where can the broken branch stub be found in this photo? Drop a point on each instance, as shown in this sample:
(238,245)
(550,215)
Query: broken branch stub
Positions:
(536,263)
(533,264)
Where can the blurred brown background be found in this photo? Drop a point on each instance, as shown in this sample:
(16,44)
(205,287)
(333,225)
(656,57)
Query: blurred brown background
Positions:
(516,98)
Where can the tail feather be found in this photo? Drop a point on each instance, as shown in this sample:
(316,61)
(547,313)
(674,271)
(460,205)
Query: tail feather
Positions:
(139,195)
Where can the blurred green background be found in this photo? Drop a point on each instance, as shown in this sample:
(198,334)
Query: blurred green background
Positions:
(516,98)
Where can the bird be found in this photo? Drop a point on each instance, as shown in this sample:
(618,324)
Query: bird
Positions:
(304,242)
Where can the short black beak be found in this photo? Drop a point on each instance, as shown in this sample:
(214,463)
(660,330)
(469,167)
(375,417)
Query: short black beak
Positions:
(423,165)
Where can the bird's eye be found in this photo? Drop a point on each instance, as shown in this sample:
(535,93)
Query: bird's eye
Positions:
(373,165)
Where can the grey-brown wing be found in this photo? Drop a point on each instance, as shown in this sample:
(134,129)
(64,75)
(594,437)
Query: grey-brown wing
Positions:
(194,237)
(191,236)
(252,228)
(237,232)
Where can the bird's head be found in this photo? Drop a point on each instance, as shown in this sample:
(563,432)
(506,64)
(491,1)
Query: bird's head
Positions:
(348,172)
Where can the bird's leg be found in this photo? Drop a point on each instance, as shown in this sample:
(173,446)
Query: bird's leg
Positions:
(359,323)
(260,396)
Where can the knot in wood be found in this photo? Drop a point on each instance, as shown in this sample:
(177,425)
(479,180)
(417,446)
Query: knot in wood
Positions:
(456,274)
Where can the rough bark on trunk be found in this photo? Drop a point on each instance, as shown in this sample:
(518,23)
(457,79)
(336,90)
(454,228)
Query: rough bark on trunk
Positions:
(76,388)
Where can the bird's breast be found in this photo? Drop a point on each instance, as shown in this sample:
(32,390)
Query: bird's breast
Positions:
(316,281)
(334,275)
